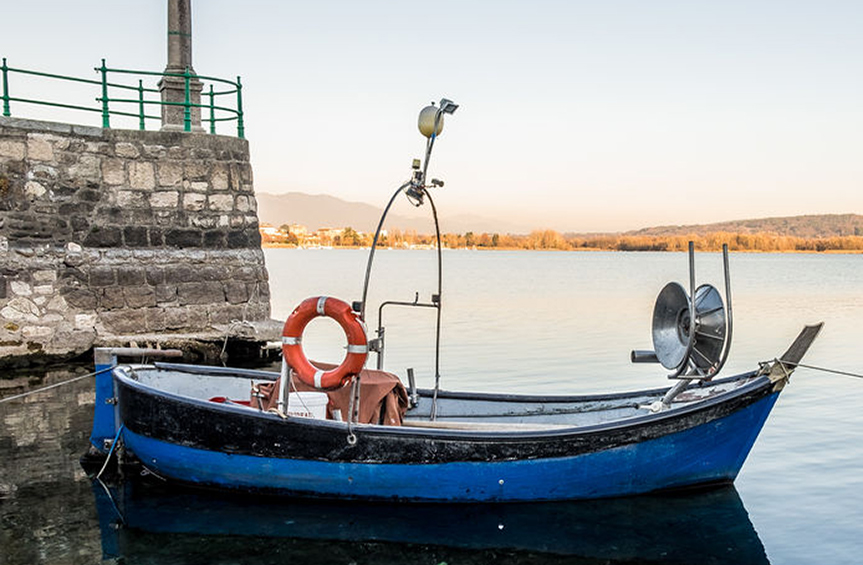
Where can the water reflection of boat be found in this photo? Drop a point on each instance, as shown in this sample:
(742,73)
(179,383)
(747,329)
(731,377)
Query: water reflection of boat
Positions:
(145,523)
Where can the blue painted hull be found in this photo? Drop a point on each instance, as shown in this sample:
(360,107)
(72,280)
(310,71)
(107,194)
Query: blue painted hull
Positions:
(712,451)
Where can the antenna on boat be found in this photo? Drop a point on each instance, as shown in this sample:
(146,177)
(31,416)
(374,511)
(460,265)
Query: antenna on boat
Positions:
(430,124)
(691,332)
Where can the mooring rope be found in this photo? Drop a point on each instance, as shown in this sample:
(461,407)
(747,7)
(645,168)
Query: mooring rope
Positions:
(824,369)
(55,385)
(111,451)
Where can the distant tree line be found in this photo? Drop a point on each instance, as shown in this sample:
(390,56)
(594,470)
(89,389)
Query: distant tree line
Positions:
(553,240)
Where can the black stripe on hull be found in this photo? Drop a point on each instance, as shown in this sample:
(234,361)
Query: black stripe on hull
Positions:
(214,427)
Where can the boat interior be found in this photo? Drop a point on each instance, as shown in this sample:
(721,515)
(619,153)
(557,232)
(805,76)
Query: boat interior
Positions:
(455,410)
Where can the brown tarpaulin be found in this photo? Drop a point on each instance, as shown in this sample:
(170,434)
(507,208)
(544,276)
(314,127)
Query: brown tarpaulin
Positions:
(383,398)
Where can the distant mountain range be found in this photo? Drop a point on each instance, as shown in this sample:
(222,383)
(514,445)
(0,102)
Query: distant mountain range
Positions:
(823,225)
(317,211)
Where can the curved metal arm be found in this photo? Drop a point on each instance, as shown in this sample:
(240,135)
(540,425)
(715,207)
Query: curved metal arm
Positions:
(374,246)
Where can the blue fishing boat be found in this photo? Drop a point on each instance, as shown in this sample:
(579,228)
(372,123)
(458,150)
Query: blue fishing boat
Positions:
(374,438)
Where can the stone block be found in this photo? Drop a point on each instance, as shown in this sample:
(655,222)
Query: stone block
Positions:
(156,237)
(135,236)
(112,298)
(37,332)
(197,319)
(155,151)
(178,153)
(114,171)
(131,199)
(238,238)
(200,293)
(181,238)
(213,272)
(43,289)
(214,239)
(39,149)
(89,195)
(176,318)
(237,221)
(57,304)
(20,288)
(130,275)
(165,293)
(205,222)
(199,186)
(170,174)
(221,202)
(164,199)
(219,177)
(102,275)
(88,167)
(236,292)
(98,147)
(178,273)
(139,296)
(12,149)
(127,321)
(245,273)
(126,150)
(197,171)
(194,201)
(154,275)
(20,310)
(242,204)
(141,175)
(109,236)
(85,321)
(225,313)
(81,298)
(156,319)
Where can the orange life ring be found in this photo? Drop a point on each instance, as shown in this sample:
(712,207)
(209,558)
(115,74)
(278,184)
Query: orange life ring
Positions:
(292,348)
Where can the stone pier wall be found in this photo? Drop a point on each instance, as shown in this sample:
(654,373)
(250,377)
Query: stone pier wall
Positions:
(107,233)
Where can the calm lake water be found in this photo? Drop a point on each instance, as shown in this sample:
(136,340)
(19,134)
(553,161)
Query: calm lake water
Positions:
(512,321)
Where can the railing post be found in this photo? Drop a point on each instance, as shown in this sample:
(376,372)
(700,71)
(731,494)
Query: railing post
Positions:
(106,116)
(5,90)
(187,111)
(141,125)
(212,110)
(241,130)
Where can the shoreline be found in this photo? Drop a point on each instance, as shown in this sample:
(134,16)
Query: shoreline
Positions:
(575,250)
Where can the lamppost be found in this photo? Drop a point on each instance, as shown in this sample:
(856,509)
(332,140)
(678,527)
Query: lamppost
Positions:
(173,88)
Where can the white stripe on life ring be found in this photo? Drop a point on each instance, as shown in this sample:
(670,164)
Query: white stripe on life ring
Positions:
(322,301)
(287,340)
(358,348)
(318,375)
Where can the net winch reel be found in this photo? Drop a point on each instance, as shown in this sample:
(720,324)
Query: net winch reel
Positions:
(691,332)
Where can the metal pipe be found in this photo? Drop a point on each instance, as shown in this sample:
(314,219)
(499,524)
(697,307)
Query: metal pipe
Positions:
(685,362)
(439,304)
(212,111)
(283,386)
(106,116)
(241,129)
(5,89)
(187,110)
(728,335)
(141,104)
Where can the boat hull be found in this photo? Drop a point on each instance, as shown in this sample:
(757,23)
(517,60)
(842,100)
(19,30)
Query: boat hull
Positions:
(237,448)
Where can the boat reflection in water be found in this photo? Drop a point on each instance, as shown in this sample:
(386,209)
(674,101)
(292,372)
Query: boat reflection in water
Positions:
(146,523)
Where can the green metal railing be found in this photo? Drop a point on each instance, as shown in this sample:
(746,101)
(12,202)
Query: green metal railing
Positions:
(221,112)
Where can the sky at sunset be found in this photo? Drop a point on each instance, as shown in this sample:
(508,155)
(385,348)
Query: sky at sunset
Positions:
(575,115)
